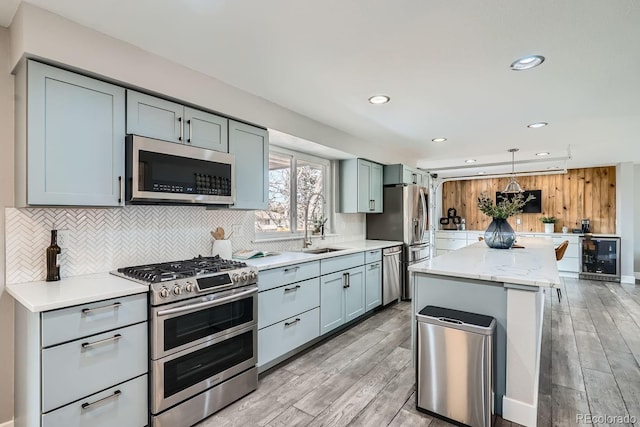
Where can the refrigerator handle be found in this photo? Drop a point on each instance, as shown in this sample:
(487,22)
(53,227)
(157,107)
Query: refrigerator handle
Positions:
(423,220)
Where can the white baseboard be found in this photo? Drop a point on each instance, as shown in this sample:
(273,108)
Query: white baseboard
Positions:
(7,424)
(637,274)
(568,274)
(519,412)
(628,279)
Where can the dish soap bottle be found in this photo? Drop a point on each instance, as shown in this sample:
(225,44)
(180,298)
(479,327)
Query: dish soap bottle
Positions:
(53,258)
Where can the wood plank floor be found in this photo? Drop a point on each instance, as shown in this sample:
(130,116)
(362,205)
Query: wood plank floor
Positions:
(364,376)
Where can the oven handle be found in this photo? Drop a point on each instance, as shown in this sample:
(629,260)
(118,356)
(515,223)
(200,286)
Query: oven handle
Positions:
(206,303)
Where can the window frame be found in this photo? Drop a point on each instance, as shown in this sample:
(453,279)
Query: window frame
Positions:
(295,156)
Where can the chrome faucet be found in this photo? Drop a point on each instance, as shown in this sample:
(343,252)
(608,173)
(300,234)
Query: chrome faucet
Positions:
(306,242)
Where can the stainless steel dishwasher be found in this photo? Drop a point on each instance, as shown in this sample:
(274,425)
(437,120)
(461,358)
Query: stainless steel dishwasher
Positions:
(391,274)
(455,365)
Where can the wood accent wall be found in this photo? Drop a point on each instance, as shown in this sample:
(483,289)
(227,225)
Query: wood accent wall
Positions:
(580,193)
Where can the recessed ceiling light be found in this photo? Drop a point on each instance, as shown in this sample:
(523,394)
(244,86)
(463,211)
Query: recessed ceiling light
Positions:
(379,99)
(544,153)
(470,161)
(537,125)
(527,62)
(439,139)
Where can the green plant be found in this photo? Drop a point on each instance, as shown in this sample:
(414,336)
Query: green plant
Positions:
(549,219)
(318,222)
(505,208)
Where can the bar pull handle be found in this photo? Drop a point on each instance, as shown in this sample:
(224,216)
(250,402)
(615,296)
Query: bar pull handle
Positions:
(286,270)
(190,131)
(119,189)
(392,253)
(112,396)
(114,306)
(448,320)
(295,288)
(181,128)
(414,178)
(114,338)
(292,323)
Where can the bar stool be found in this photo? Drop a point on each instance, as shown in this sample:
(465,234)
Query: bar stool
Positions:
(560,250)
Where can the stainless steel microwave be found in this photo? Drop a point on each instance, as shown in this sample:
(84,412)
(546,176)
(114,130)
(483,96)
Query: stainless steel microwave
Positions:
(165,172)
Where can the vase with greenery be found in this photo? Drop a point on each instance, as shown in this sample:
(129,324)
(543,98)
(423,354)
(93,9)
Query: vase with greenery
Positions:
(499,234)
(549,223)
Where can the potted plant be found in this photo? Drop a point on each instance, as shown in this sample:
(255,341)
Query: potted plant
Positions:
(499,234)
(549,223)
(318,224)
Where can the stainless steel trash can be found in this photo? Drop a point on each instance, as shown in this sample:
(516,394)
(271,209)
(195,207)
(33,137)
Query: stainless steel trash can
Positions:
(455,365)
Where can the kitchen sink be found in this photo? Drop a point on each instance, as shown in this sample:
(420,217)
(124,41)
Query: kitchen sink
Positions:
(321,250)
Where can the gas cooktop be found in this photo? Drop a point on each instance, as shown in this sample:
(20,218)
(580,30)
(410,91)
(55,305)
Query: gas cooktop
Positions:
(179,280)
(166,271)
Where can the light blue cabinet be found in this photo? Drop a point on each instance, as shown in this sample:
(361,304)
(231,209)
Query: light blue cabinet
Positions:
(373,285)
(403,174)
(170,121)
(332,312)
(250,145)
(354,294)
(72,153)
(360,186)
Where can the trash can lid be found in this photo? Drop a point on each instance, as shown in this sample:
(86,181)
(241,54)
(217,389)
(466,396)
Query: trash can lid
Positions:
(462,316)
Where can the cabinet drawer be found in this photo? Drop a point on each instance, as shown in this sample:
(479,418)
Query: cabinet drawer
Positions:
(286,301)
(71,371)
(458,235)
(344,262)
(276,277)
(123,405)
(450,244)
(87,319)
(372,256)
(278,339)
(569,264)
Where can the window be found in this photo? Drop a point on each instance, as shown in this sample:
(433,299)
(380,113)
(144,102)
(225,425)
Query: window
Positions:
(298,186)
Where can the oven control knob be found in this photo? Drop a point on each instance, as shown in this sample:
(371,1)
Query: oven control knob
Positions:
(177,290)
(189,287)
(253,275)
(235,278)
(164,292)
(244,276)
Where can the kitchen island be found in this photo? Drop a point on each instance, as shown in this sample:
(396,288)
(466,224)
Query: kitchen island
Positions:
(505,284)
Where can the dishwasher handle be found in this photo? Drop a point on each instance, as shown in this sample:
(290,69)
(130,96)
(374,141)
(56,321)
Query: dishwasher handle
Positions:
(393,253)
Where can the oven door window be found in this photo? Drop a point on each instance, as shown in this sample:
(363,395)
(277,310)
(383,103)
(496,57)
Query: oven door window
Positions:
(192,368)
(187,328)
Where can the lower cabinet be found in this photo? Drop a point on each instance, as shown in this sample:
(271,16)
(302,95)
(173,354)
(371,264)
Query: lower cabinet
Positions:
(121,405)
(85,365)
(342,298)
(289,334)
(373,285)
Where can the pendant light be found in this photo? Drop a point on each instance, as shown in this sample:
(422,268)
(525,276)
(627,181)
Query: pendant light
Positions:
(513,187)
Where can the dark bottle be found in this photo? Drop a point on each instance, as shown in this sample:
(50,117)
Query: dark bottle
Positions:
(53,258)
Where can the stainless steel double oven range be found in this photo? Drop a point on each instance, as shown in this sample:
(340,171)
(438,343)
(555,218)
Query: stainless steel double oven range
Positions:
(203,336)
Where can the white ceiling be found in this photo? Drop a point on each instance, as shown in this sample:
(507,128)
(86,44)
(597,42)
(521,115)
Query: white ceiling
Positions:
(445,65)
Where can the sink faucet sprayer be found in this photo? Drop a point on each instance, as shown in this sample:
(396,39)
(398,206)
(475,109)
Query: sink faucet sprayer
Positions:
(307,241)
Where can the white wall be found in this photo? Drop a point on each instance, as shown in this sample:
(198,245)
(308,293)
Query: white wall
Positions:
(636,225)
(625,217)
(6,200)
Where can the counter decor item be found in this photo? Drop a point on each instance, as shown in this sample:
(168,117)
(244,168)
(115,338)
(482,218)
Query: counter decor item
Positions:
(221,246)
(53,258)
(499,234)
(549,223)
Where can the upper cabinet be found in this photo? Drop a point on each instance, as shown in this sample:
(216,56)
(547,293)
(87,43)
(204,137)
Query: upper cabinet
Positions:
(403,174)
(161,119)
(250,145)
(70,133)
(360,186)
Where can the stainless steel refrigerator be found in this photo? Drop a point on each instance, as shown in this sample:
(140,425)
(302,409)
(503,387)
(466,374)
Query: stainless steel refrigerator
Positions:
(404,218)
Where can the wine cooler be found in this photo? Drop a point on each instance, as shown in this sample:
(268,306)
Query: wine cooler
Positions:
(600,258)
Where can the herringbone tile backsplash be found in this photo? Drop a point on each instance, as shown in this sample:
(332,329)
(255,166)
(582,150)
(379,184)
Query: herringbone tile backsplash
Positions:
(101,240)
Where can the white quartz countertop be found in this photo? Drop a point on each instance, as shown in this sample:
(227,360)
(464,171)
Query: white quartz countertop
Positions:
(539,233)
(288,258)
(533,265)
(69,291)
